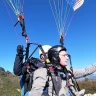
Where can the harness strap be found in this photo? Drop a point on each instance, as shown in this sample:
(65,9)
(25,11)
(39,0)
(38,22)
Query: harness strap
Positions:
(56,81)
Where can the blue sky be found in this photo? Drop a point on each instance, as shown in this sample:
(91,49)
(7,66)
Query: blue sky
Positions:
(41,28)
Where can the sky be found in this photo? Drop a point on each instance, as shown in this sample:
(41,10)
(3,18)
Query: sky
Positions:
(41,28)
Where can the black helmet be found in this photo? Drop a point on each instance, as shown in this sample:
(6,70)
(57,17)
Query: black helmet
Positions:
(53,53)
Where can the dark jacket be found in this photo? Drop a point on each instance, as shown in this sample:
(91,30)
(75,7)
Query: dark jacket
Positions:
(19,68)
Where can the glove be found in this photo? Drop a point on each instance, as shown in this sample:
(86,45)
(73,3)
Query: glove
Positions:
(20,49)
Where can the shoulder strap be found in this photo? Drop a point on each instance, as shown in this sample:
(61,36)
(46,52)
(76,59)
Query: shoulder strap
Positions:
(56,80)
(67,81)
(27,82)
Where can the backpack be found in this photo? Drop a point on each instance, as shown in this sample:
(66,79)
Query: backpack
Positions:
(26,80)
(22,88)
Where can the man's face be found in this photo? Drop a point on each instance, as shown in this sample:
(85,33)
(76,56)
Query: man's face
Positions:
(42,57)
(63,58)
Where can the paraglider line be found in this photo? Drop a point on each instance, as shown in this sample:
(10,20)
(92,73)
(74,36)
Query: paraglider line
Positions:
(69,23)
(11,20)
(22,6)
(54,17)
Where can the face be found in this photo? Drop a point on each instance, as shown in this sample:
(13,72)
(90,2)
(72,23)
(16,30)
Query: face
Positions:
(63,58)
(42,58)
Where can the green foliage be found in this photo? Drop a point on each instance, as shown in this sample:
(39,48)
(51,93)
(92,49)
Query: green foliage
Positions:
(2,69)
(9,84)
(88,85)
(86,79)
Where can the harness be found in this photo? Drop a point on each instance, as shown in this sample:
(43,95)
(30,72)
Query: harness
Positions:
(56,77)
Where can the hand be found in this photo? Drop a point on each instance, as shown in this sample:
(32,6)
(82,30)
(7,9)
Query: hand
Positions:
(20,49)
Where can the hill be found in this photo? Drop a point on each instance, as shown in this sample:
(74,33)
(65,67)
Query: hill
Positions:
(9,84)
(88,85)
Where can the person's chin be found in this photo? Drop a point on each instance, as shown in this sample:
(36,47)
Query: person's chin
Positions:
(65,64)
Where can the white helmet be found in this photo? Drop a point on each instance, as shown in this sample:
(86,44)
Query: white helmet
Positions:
(45,48)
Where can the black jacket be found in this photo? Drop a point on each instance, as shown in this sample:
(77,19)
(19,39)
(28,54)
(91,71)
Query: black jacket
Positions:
(19,68)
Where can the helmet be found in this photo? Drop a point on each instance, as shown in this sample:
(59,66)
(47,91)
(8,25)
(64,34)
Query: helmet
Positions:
(53,53)
(45,48)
